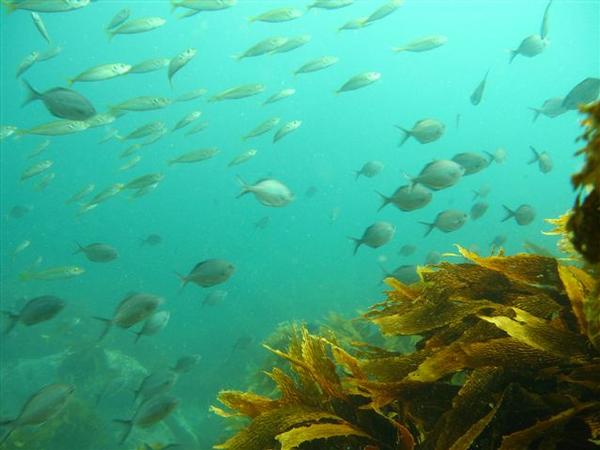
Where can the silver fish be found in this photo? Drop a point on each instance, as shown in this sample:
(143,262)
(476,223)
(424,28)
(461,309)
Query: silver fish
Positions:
(317,64)
(359,81)
(268,191)
(195,156)
(208,273)
(187,363)
(179,61)
(283,94)
(477,94)
(553,107)
(383,11)
(286,129)
(447,221)
(134,308)
(119,18)
(262,128)
(242,157)
(523,215)
(585,92)
(238,92)
(478,209)
(263,47)
(440,174)
(376,235)
(39,24)
(98,252)
(422,44)
(472,162)
(144,103)
(26,63)
(530,46)
(278,15)
(424,131)
(187,119)
(293,43)
(150,65)
(407,198)
(134,26)
(543,159)
(36,310)
(61,102)
(149,413)
(154,324)
(369,169)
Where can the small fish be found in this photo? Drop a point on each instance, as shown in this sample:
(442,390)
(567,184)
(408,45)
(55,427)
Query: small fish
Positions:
(263,128)
(424,131)
(203,5)
(179,61)
(134,26)
(84,192)
(433,258)
(286,129)
(523,215)
(278,15)
(375,236)
(317,64)
(529,47)
(154,324)
(210,272)
(152,240)
(201,126)
(293,43)
(53,273)
(61,102)
(477,94)
(119,19)
(39,149)
(150,65)
(145,180)
(37,310)
(284,93)
(553,107)
(45,6)
(440,174)
(447,221)
(195,156)
(50,53)
(133,309)
(330,4)
(238,92)
(383,11)
(544,27)
(262,223)
(407,250)
(406,273)
(101,73)
(56,128)
(359,81)
(478,210)
(214,297)
(243,157)
(369,169)
(21,247)
(191,95)
(45,182)
(130,150)
(36,169)
(311,192)
(26,63)
(144,131)
(187,119)
(422,44)
(39,24)
(543,159)
(353,24)
(457,120)
(144,103)
(7,131)
(499,156)
(585,92)
(44,404)
(186,363)
(471,162)
(498,241)
(407,198)
(131,163)
(102,196)
(268,191)
(19,211)
(104,119)
(263,47)
(149,413)
(98,252)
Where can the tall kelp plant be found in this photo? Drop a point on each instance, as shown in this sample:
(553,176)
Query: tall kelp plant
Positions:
(507,357)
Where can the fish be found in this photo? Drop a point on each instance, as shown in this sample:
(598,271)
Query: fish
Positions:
(334,214)
(529,47)
(553,107)
(471,162)
(263,47)
(201,126)
(369,169)
(41,406)
(133,309)
(330,4)
(585,92)
(262,128)
(477,94)
(83,192)
(144,103)
(262,223)
(131,163)
(440,174)
(311,192)
(187,119)
(383,11)
(543,159)
(39,24)
(104,119)
(195,156)
(61,102)
(36,169)
(154,324)
(186,363)
(52,273)
(179,62)
(422,44)
(523,215)
(478,210)
(98,252)
(130,150)
(119,19)
(359,81)
(39,149)
(7,131)
(135,26)
(45,6)
(151,240)
(353,24)
(237,92)
(406,273)
(284,93)
(278,15)
(292,43)
(286,129)
(447,221)
(214,297)
(407,250)
(37,310)
(19,211)
(317,64)
(144,131)
(100,73)
(50,53)
(27,63)
(56,128)
(498,241)
(203,5)
(145,180)
(207,273)
(243,157)
(424,131)
(544,27)
(407,198)
(150,65)
(148,414)
(43,184)
(432,258)
(499,156)
(268,191)
(191,95)
(375,236)
(102,196)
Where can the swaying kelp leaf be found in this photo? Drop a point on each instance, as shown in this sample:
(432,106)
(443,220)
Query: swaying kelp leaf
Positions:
(292,439)
(247,403)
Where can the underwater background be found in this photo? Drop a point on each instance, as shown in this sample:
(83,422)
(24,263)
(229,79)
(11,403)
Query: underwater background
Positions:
(300,266)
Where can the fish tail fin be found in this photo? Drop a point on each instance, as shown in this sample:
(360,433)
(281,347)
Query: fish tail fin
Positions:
(536,113)
(509,213)
(513,54)
(244,186)
(31,93)
(129,426)
(407,134)
(491,155)
(79,248)
(138,335)
(398,49)
(430,227)
(107,326)
(357,243)
(70,82)
(357,174)
(10,7)
(252,19)
(475,194)
(238,56)
(384,201)
(174,5)
(183,279)
(536,155)
(13,320)
(110,34)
